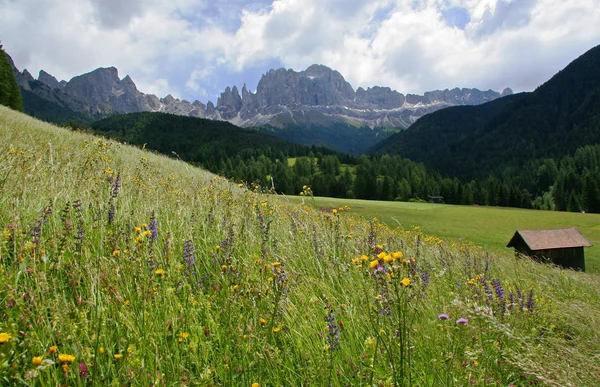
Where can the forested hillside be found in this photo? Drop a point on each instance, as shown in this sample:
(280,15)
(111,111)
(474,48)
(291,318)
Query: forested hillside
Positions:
(470,142)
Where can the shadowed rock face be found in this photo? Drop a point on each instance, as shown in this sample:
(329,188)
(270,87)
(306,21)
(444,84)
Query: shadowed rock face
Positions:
(318,89)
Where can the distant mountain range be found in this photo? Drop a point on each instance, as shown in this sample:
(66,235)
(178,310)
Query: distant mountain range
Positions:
(467,142)
(313,107)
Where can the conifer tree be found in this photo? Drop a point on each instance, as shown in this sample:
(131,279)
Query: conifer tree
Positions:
(10,93)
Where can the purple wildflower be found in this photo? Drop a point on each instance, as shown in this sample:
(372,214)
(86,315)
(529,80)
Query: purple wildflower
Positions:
(443,316)
(188,256)
(511,299)
(462,320)
(424,278)
(117,187)
(530,302)
(153,227)
(83,370)
(111,213)
(487,289)
(500,294)
(333,336)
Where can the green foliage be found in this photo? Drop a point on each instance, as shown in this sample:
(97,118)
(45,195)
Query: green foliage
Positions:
(10,93)
(123,267)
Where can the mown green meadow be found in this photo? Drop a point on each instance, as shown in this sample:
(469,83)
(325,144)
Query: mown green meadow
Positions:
(123,267)
(488,227)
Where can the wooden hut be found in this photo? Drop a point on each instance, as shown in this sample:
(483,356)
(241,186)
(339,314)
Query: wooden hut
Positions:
(436,199)
(563,246)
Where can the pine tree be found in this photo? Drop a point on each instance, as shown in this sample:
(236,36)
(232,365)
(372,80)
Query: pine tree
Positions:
(10,93)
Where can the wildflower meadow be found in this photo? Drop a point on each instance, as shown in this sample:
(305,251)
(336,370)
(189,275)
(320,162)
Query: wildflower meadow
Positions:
(123,267)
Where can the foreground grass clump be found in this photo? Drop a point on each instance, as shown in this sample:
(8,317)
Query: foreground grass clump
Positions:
(121,267)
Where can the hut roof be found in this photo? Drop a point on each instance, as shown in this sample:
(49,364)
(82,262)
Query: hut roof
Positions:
(560,238)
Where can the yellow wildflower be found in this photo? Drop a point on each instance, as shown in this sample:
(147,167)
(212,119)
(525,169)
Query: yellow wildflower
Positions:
(138,230)
(388,258)
(262,321)
(184,335)
(101,350)
(374,264)
(159,272)
(355,260)
(117,356)
(276,329)
(364,258)
(144,226)
(146,233)
(217,247)
(334,211)
(36,361)
(255,385)
(275,264)
(397,254)
(381,255)
(4,337)
(65,358)
(7,234)
(53,349)
(224,267)
(235,288)
(65,368)
(405,282)
(116,253)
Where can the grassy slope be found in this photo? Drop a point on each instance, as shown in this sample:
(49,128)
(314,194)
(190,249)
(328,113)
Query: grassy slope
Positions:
(489,227)
(130,309)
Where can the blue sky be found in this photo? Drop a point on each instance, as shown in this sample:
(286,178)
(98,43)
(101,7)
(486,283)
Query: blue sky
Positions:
(193,49)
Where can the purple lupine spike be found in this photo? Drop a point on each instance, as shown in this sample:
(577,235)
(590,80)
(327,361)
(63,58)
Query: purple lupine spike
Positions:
(487,290)
(188,256)
(117,187)
(500,294)
(111,213)
(153,227)
(530,301)
(333,335)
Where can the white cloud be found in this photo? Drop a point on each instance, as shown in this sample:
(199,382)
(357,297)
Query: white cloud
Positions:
(159,87)
(195,47)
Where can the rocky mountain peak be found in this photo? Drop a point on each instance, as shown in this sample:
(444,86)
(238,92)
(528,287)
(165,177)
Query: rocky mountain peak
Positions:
(49,80)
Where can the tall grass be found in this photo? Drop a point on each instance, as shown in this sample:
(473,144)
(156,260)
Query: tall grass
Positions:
(120,266)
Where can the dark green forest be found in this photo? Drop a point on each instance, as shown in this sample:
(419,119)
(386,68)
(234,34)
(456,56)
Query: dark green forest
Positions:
(10,93)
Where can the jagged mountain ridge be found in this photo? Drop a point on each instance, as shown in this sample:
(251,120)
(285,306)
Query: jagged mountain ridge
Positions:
(282,96)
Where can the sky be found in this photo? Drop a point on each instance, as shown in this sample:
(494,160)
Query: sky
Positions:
(194,49)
